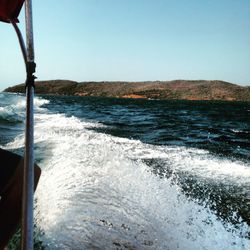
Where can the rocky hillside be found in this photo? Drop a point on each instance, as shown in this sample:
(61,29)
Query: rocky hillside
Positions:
(178,89)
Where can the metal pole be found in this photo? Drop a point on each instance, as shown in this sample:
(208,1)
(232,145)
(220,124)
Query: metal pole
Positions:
(28,180)
(29,30)
(21,41)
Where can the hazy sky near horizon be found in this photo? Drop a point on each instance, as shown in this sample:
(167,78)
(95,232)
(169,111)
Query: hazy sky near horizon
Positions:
(133,40)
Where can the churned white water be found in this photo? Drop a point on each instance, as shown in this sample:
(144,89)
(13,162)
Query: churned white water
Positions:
(96,192)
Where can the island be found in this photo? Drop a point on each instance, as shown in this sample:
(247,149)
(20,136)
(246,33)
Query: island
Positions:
(170,90)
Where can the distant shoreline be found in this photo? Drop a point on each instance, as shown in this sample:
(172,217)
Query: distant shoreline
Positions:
(165,90)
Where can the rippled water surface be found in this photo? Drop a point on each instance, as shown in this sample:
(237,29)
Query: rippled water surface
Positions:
(137,174)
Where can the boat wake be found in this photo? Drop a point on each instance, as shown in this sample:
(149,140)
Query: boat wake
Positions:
(98,191)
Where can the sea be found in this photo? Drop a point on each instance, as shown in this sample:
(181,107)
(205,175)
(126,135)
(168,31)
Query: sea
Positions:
(136,173)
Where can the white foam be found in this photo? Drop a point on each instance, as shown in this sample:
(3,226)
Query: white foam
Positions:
(199,163)
(95,191)
(13,106)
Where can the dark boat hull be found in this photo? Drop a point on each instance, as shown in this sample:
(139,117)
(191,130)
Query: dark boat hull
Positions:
(11,182)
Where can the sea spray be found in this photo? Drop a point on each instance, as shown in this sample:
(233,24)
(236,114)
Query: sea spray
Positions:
(98,190)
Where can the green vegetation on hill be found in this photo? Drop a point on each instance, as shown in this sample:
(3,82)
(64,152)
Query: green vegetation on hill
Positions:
(173,90)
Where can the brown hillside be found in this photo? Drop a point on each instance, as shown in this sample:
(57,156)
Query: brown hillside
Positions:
(178,89)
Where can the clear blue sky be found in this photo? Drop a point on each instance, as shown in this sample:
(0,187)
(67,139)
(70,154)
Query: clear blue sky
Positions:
(133,40)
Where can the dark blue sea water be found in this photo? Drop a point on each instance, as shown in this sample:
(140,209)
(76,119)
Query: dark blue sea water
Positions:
(137,174)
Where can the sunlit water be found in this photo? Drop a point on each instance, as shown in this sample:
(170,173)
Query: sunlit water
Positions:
(137,174)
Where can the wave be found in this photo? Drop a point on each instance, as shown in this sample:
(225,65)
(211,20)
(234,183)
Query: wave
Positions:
(13,106)
(96,191)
